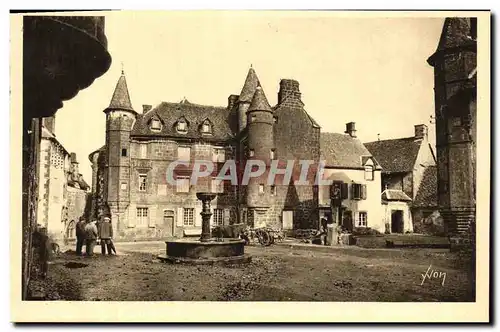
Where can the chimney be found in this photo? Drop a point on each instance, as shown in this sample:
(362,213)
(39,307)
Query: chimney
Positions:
(420,131)
(231,101)
(74,164)
(350,128)
(73,158)
(50,123)
(289,91)
(146,108)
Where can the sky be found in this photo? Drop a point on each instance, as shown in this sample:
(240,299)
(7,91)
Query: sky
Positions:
(372,71)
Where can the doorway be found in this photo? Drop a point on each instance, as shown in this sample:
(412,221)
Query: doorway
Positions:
(287,219)
(168,222)
(347,220)
(397,221)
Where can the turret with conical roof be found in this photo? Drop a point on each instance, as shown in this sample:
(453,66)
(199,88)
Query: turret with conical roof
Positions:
(245,98)
(261,147)
(120,118)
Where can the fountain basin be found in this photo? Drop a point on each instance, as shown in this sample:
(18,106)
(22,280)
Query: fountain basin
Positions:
(188,251)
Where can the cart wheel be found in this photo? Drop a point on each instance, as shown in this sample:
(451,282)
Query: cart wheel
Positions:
(264,238)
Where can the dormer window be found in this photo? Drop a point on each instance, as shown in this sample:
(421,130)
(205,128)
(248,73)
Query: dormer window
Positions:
(182,126)
(206,127)
(156,125)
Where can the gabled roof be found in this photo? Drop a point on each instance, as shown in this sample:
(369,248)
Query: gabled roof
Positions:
(121,97)
(251,83)
(259,101)
(395,155)
(340,150)
(395,195)
(427,191)
(194,114)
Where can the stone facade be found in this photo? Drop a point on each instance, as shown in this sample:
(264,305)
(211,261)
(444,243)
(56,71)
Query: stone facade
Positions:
(130,171)
(454,65)
(62,190)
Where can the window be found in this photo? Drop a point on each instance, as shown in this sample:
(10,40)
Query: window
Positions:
(124,152)
(182,184)
(251,153)
(218,155)
(218,217)
(142,217)
(253,118)
(188,217)
(124,186)
(261,188)
(206,128)
(275,119)
(369,173)
(156,125)
(182,126)
(168,216)
(362,219)
(183,153)
(142,182)
(358,191)
(273,190)
(143,151)
(456,122)
(217,185)
(272,154)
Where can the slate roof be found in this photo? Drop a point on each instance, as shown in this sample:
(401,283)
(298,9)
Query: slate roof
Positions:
(121,97)
(259,101)
(395,155)
(456,32)
(194,114)
(395,195)
(342,150)
(251,83)
(427,192)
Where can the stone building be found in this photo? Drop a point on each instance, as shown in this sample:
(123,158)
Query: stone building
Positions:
(62,190)
(356,175)
(130,171)
(406,168)
(454,65)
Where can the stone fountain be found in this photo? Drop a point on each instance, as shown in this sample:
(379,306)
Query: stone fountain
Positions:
(206,250)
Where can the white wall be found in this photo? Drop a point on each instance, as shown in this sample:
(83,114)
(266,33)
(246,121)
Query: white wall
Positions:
(407,218)
(372,205)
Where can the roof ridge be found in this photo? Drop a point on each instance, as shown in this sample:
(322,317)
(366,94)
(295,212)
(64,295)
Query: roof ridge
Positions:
(190,103)
(394,139)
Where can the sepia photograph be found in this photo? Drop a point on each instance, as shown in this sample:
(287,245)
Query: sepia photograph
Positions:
(298,162)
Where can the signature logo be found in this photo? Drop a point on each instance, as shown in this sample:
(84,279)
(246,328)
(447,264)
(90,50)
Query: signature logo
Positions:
(433,274)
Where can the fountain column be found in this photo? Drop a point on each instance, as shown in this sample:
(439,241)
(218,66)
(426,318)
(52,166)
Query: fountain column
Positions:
(206,213)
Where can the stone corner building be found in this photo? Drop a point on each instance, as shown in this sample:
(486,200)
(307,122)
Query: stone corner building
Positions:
(454,65)
(129,171)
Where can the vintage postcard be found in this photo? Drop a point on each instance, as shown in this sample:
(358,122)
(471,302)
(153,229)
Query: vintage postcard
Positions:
(250,166)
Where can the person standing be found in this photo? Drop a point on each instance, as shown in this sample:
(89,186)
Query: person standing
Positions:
(105,234)
(41,243)
(90,237)
(80,235)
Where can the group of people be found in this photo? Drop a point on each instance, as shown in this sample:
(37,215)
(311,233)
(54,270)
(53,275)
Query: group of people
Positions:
(89,233)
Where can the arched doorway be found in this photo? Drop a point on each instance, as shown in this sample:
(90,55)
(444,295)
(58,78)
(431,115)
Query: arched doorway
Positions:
(70,230)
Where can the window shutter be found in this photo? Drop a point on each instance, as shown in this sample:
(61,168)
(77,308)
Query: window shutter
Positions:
(353,191)
(227,216)
(345,191)
(180,217)
(197,217)
(363,191)
(152,217)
